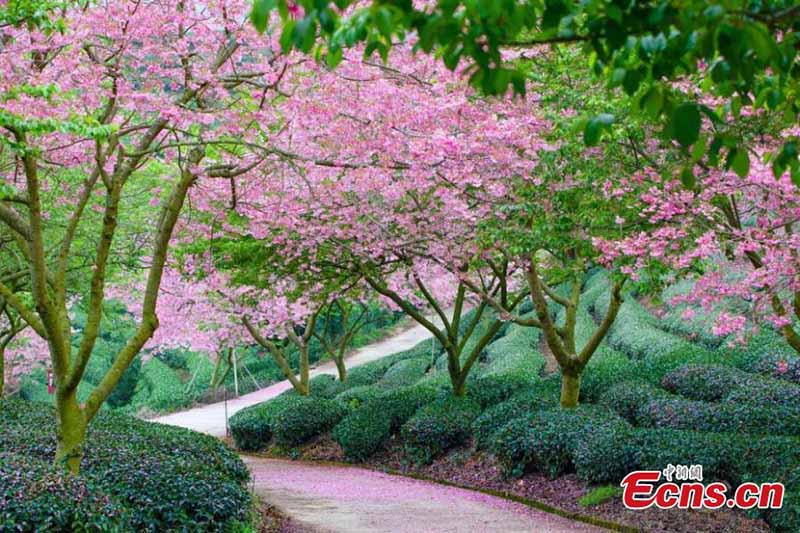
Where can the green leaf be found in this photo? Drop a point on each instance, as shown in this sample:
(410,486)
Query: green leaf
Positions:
(741,162)
(687,178)
(685,123)
(595,126)
(260,13)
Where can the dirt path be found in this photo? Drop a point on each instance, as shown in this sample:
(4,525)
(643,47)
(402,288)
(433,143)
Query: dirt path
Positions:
(353,500)
(211,418)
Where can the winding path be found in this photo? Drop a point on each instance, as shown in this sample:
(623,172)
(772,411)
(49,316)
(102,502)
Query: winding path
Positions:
(353,500)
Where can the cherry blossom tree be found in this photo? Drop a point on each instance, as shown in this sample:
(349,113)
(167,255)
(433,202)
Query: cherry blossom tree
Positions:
(735,235)
(131,100)
(394,166)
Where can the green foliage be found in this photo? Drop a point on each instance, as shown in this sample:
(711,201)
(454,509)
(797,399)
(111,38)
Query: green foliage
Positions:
(325,386)
(356,396)
(365,429)
(735,417)
(606,368)
(600,495)
(69,503)
(135,475)
(634,333)
(627,398)
(437,427)
(294,423)
(405,372)
(252,427)
(541,395)
(491,389)
(160,388)
(548,441)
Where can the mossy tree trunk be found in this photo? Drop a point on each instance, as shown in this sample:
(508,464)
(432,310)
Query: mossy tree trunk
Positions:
(278,349)
(560,339)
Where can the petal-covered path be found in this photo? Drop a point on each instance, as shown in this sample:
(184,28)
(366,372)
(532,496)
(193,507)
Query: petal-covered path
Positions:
(349,500)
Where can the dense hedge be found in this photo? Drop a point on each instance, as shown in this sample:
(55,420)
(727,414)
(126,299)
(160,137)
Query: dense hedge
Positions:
(365,429)
(405,372)
(491,389)
(356,396)
(252,427)
(629,398)
(304,419)
(439,426)
(705,382)
(325,386)
(541,395)
(138,476)
(731,385)
(548,441)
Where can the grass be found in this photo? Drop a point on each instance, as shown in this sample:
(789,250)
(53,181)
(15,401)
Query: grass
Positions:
(599,495)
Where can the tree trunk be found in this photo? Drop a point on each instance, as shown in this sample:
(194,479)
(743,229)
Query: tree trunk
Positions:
(2,372)
(341,368)
(71,432)
(570,389)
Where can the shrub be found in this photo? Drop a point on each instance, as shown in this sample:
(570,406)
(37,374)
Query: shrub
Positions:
(548,441)
(656,448)
(491,389)
(356,396)
(655,368)
(162,478)
(705,382)
(628,398)
(437,427)
(766,392)
(606,368)
(35,497)
(325,386)
(296,422)
(365,429)
(164,389)
(370,373)
(535,399)
(777,365)
(251,427)
(405,372)
(680,413)
(635,334)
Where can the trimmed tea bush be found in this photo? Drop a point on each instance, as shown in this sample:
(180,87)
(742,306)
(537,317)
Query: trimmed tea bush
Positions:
(405,372)
(705,382)
(739,417)
(35,497)
(325,386)
(251,427)
(491,389)
(356,396)
(364,430)
(547,441)
(136,475)
(628,398)
(437,427)
(542,395)
(605,369)
(297,422)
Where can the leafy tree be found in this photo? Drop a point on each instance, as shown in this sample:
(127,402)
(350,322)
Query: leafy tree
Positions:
(151,92)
